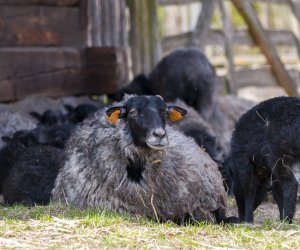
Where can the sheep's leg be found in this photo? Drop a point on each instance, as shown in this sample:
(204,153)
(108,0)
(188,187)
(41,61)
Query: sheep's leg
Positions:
(239,198)
(261,192)
(221,217)
(284,189)
(249,201)
(244,191)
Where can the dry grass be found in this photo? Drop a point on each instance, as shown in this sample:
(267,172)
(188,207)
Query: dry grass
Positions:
(60,227)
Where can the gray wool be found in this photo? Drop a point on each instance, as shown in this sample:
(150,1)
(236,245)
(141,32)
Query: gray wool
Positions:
(177,182)
(232,107)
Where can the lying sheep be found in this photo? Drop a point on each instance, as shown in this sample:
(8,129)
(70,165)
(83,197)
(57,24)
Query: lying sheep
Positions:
(186,74)
(265,148)
(79,113)
(58,117)
(194,126)
(29,164)
(50,117)
(125,158)
(138,86)
(32,175)
(55,136)
(232,108)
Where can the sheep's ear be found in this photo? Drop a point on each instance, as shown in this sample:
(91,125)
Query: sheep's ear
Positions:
(115,113)
(36,115)
(6,139)
(176,113)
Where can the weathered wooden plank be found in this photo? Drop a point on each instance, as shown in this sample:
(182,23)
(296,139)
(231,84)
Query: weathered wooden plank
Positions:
(274,1)
(176,2)
(144,35)
(40,26)
(106,68)
(216,37)
(107,23)
(203,23)
(60,71)
(183,2)
(41,2)
(261,77)
(258,33)
(228,43)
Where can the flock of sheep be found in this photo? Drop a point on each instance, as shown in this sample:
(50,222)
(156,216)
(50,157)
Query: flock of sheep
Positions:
(168,148)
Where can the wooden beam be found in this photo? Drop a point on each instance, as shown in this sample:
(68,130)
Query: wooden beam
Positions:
(228,43)
(259,35)
(274,1)
(144,35)
(41,2)
(60,71)
(184,2)
(106,69)
(177,2)
(107,23)
(261,77)
(40,26)
(241,37)
(203,23)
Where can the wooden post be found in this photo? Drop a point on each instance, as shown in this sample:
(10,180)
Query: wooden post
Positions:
(295,8)
(228,43)
(259,35)
(106,23)
(203,22)
(144,35)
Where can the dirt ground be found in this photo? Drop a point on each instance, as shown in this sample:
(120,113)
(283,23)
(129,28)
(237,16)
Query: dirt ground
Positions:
(268,210)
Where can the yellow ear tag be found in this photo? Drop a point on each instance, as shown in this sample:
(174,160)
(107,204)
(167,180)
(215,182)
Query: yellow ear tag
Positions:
(114,116)
(175,115)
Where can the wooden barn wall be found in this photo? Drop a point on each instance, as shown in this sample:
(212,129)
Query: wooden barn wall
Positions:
(44,49)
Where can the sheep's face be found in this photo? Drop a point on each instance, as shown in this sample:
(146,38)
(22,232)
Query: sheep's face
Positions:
(146,118)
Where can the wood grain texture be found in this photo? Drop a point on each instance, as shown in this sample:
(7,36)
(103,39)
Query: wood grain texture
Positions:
(60,71)
(41,2)
(40,26)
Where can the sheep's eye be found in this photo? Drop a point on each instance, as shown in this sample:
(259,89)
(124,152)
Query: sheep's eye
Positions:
(133,112)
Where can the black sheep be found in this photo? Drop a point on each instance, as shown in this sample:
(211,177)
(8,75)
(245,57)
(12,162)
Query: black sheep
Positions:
(186,74)
(79,113)
(265,147)
(55,136)
(50,117)
(31,176)
(139,86)
(8,154)
(29,164)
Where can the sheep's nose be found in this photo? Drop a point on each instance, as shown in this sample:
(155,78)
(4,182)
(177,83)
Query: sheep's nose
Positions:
(159,133)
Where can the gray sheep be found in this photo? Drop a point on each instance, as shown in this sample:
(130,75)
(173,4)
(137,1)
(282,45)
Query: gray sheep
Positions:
(126,158)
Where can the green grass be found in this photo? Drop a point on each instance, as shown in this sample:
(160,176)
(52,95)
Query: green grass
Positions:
(61,227)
